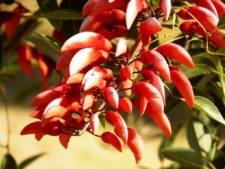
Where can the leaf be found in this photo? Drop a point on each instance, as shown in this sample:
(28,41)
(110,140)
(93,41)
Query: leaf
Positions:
(102,122)
(221,51)
(185,157)
(8,162)
(221,24)
(221,76)
(205,67)
(63,14)
(193,73)
(51,42)
(206,142)
(207,107)
(47,6)
(191,136)
(29,160)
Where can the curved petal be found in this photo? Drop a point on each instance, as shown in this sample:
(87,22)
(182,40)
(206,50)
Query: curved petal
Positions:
(176,52)
(125,105)
(112,97)
(165,6)
(117,121)
(157,61)
(110,138)
(161,120)
(155,80)
(135,144)
(94,123)
(151,94)
(84,58)
(183,85)
(133,8)
(86,40)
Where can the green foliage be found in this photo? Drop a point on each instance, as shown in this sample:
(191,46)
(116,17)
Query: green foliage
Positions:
(207,107)
(185,157)
(63,14)
(8,162)
(29,160)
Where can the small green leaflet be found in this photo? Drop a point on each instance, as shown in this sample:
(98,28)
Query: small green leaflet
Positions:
(207,107)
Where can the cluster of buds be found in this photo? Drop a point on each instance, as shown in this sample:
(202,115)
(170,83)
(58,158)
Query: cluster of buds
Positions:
(203,20)
(103,80)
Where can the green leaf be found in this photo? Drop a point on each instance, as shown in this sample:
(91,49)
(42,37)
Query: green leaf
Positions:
(204,139)
(102,122)
(51,42)
(193,73)
(185,157)
(221,24)
(63,14)
(8,162)
(205,67)
(221,51)
(47,6)
(44,46)
(191,136)
(206,142)
(221,76)
(29,160)
(208,108)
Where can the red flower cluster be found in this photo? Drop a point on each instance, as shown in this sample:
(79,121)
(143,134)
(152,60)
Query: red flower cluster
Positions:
(204,19)
(101,81)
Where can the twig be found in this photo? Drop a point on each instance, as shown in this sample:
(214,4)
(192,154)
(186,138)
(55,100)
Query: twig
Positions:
(7,146)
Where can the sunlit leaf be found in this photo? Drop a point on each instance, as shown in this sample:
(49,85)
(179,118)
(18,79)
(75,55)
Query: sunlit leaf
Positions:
(206,142)
(207,107)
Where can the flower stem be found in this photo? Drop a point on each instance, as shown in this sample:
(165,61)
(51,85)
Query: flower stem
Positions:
(7,146)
